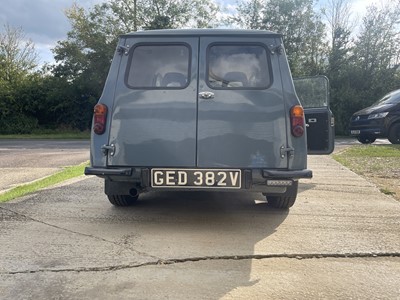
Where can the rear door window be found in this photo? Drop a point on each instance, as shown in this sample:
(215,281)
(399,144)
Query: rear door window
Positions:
(238,66)
(158,66)
(312,91)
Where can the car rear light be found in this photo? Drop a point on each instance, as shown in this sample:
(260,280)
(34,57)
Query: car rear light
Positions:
(297,120)
(99,118)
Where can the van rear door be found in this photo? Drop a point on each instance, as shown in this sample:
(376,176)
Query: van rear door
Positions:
(313,93)
(217,107)
(241,112)
(155,108)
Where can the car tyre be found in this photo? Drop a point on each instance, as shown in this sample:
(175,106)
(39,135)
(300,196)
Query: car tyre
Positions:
(366,139)
(122,200)
(394,134)
(286,200)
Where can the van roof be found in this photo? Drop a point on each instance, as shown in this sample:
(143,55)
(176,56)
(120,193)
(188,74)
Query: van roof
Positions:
(203,32)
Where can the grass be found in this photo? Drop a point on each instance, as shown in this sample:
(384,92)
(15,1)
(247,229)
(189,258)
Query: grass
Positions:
(373,151)
(49,134)
(22,190)
(387,192)
(370,158)
(378,163)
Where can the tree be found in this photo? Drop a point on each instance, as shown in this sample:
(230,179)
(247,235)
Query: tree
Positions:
(338,15)
(250,14)
(302,30)
(18,59)
(17,54)
(340,70)
(377,48)
(164,14)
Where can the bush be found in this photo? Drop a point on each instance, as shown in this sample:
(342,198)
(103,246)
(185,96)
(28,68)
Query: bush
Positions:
(18,124)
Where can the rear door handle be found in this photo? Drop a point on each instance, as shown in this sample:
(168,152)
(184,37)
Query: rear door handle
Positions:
(206,95)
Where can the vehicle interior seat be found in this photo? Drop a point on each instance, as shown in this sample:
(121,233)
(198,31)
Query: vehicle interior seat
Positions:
(235,79)
(174,79)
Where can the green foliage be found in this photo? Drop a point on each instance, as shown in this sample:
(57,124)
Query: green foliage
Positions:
(18,123)
(17,54)
(162,14)
(16,108)
(302,30)
(17,60)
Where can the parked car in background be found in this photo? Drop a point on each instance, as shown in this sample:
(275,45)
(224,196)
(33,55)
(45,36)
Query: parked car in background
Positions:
(380,120)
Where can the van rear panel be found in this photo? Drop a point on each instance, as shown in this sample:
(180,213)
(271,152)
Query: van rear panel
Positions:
(204,102)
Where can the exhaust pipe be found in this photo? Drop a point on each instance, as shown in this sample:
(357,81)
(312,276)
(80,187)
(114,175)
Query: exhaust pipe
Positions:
(134,192)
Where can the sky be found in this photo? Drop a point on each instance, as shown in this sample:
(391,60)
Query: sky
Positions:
(45,23)
(42,21)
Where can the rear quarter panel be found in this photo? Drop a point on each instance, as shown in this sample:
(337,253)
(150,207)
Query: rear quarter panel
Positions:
(97,158)
(299,159)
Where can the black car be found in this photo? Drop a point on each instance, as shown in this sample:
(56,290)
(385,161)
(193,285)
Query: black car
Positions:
(380,120)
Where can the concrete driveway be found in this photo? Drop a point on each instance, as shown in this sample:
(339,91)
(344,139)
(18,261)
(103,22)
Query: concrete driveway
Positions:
(24,161)
(340,240)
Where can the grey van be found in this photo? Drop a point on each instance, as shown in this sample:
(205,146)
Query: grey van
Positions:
(206,109)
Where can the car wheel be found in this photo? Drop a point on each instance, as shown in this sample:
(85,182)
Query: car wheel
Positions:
(286,200)
(394,134)
(122,200)
(366,139)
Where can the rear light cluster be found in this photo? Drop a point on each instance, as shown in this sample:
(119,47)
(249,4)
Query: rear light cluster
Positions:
(99,118)
(297,120)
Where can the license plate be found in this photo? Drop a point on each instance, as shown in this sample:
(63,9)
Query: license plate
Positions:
(196,178)
(355,132)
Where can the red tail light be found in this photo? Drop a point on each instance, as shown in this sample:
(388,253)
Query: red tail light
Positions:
(99,118)
(297,120)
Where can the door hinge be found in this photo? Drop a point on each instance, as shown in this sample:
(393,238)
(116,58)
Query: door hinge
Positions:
(289,151)
(108,149)
(123,49)
(275,49)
